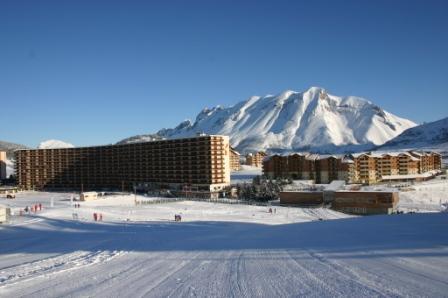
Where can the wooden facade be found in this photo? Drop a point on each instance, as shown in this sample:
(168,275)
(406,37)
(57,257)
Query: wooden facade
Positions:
(235,164)
(255,159)
(364,168)
(321,169)
(201,161)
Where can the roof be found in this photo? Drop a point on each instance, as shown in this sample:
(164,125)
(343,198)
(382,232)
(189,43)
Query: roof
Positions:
(128,144)
(234,151)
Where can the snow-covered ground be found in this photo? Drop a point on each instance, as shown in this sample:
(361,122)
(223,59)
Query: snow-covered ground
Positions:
(245,175)
(428,196)
(9,168)
(218,250)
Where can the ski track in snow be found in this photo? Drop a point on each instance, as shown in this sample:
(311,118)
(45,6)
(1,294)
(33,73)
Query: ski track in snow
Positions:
(53,265)
(384,256)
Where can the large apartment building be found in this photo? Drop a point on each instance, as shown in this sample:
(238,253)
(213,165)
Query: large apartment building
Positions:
(365,168)
(320,168)
(372,168)
(198,163)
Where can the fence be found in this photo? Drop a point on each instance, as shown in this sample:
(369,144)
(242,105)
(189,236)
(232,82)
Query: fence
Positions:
(219,200)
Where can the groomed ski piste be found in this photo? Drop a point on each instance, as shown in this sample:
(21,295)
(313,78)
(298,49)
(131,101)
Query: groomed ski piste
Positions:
(222,250)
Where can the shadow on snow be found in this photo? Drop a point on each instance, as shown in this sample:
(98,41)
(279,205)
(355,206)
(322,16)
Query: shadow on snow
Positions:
(364,237)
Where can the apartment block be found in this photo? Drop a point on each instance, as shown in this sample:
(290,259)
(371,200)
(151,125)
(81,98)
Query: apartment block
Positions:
(410,165)
(322,169)
(235,164)
(255,159)
(364,168)
(201,163)
(3,165)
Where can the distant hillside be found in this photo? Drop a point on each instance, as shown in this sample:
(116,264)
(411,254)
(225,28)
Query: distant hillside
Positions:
(425,135)
(428,136)
(10,147)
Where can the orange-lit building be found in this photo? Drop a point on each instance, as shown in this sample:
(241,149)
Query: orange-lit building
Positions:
(3,165)
(235,164)
(255,159)
(365,168)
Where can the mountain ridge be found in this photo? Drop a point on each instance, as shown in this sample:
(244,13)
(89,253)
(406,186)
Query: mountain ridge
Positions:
(309,120)
(427,135)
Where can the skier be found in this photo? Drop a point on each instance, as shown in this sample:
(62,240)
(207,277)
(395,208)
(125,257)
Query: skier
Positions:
(95,216)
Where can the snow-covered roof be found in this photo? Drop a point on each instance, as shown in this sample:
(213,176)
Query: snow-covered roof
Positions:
(312,156)
(335,185)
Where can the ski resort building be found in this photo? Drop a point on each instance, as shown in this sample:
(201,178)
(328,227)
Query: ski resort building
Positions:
(197,165)
(320,168)
(3,165)
(255,159)
(364,168)
(235,164)
(352,202)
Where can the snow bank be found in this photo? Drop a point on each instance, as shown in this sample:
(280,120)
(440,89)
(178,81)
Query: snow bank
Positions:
(54,144)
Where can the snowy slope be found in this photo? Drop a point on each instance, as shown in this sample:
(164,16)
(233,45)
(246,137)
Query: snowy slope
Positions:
(48,255)
(10,147)
(293,120)
(9,168)
(433,134)
(54,144)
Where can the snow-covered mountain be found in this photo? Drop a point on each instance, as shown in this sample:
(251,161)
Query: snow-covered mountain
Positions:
(54,144)
(10,147)
(310,120)
(432,136)
(423,136)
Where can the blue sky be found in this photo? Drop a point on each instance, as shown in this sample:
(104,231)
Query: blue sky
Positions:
(94,72)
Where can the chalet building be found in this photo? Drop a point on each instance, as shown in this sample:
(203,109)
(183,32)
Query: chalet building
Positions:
(3,165)
(199,163)
(352,202)
(364,168)
(329,168)
(255,159)
(309,167)
(389,164)
(276,166)
(322,169)
(235,164)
